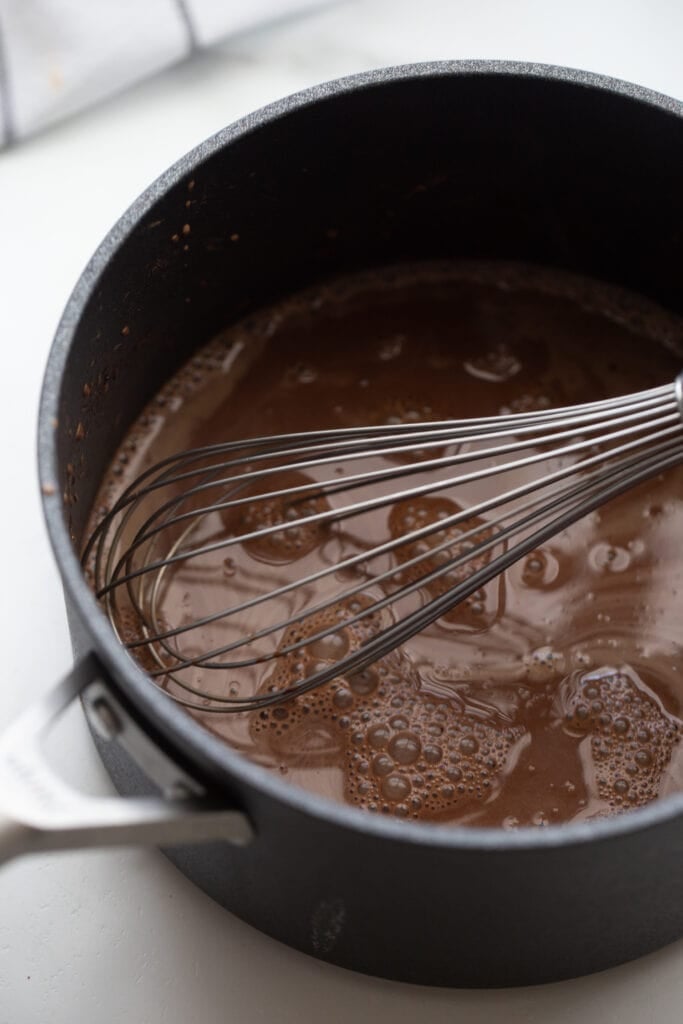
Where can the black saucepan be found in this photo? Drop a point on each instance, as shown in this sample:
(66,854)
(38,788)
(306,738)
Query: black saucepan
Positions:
(474,160)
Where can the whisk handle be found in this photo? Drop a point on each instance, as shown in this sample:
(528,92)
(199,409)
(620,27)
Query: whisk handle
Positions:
(40,812)
(678,390)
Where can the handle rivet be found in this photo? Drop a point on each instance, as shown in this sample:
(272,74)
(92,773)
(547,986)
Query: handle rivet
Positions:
(178,791)
(105,719)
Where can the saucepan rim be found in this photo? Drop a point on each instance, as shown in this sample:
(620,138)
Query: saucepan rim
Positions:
(213,757)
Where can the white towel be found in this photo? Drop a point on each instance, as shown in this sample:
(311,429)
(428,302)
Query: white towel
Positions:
(58,56)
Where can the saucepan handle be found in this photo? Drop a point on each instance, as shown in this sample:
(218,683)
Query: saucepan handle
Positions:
(39,811)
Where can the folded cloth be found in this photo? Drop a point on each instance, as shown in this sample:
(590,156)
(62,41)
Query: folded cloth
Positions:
(58,56)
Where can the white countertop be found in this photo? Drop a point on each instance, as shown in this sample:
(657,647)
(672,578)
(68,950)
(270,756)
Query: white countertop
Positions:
(122,936)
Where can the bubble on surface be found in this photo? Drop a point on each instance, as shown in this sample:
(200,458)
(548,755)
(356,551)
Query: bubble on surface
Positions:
(609,558)
(525,403)
(295,539)
(496,365)
(540,570)
(405,747)
(303,373)
(330,647)
(632,736)
(543,664)
(387,755)
(460,539)
(395,411)
(131,629)
(364,682)
(391,348)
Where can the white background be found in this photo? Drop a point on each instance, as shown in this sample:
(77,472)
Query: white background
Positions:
(121,936)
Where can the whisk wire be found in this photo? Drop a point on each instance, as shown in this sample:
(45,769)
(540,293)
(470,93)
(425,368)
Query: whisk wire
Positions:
(560,499)
(356,507)
(428,433)
(601,448)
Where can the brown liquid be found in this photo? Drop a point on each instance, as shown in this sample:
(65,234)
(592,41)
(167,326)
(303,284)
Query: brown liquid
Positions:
(552,695)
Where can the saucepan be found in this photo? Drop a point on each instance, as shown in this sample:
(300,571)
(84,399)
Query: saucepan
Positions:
(438,161)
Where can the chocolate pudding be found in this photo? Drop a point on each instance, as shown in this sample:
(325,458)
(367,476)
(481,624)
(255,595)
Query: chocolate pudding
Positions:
(553,694)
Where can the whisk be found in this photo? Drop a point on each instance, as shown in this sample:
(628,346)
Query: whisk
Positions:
(545,469)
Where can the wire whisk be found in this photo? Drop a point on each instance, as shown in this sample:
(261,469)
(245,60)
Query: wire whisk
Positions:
(283,498)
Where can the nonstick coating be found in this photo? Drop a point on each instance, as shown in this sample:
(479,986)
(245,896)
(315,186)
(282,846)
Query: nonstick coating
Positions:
(436,161)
